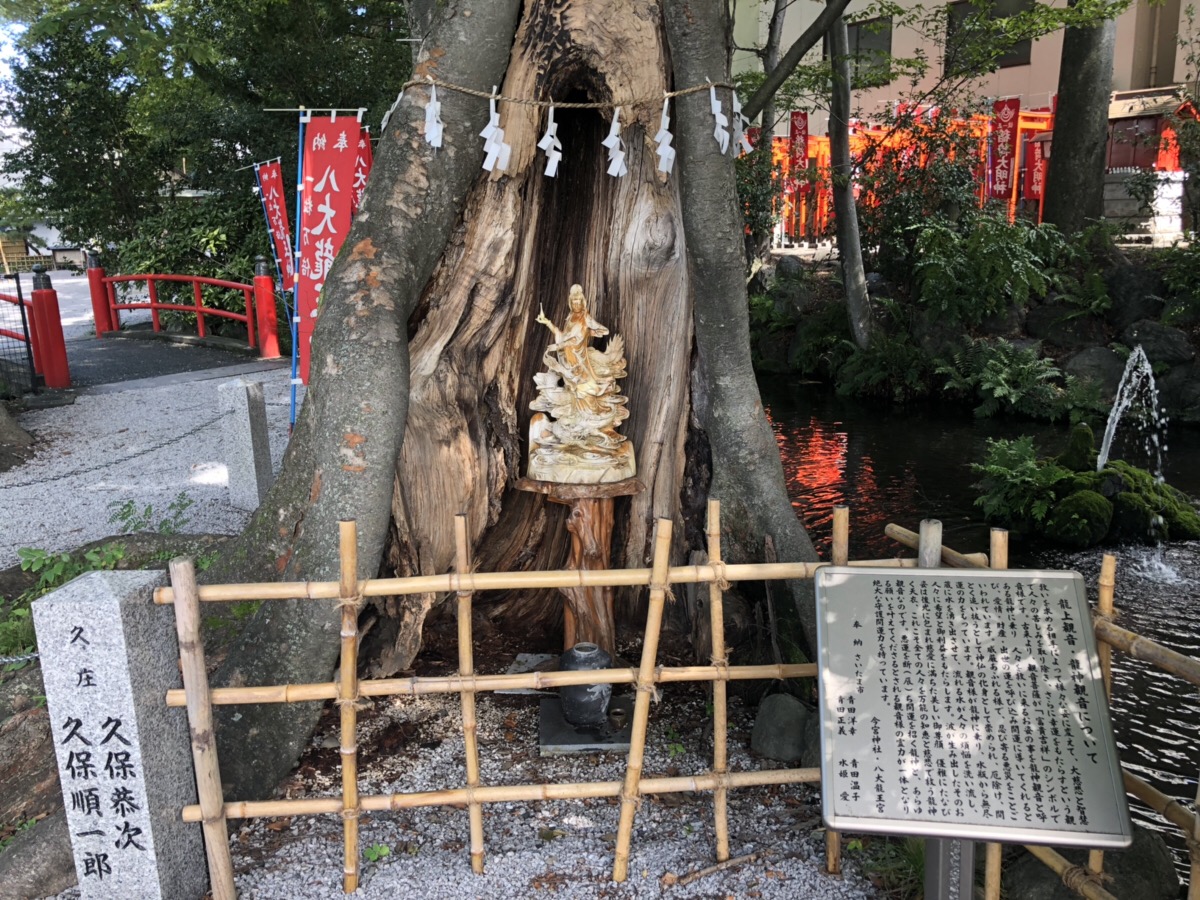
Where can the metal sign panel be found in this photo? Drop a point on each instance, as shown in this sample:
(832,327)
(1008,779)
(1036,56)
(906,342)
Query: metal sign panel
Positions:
(960,703)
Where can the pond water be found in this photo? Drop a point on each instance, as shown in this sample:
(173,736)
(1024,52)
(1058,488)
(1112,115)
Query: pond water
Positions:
(905,464)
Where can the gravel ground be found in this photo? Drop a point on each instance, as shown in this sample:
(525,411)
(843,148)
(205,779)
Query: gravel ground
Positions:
(150,441)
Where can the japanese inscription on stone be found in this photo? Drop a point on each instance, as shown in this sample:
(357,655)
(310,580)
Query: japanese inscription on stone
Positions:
(107,656)
(970,704)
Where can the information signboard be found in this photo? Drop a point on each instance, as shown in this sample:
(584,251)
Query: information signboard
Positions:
(969,704)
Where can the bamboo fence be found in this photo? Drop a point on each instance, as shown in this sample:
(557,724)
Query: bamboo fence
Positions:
(348,691)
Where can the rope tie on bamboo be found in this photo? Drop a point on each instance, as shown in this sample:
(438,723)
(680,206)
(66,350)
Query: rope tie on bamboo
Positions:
(718,568)
(429,81)
(352,813)
(1075,877)
(650,687)
(721,664)
(355,602)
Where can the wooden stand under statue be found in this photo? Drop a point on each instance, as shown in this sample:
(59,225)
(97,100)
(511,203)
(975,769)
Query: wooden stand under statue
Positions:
(576,457)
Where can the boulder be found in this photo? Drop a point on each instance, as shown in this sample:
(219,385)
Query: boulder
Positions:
(1179,393)
(1079,520)
(878,286)
(1008,322)
(1135,294)
(779,728)
(1162,343)
(1142,872)
(1065,326)
(1098,365)
(1080,455)
(39,861)
(1133,520)
(789,266)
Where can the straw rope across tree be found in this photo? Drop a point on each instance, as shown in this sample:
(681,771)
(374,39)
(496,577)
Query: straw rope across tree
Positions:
(425,351)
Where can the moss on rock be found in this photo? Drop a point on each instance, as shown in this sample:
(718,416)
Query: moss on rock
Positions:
(1080,455)
(1133,520)
(1080,520)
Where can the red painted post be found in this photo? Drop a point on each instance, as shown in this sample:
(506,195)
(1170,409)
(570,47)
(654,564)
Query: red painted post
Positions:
(264,309)
(49,324)
(35,337)
(100,310)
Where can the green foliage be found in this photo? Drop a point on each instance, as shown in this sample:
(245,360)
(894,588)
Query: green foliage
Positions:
(376,852)
(1008,379)
(52,570)
(893,367)
(1180,269)
(822,341)
(1018,489)
(758,189)
(16,830)
(131,519)
(56,569)
(214,237)
(674,743)
(966,275)
(897,866)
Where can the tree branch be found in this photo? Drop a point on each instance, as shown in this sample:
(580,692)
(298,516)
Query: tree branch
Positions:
(778,75)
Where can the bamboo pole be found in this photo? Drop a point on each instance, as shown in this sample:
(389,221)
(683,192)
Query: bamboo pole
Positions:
(204,746)
(513,793)
(840,555)
(951,558)
(645,688)
(1194,853)
(1104,607)
(1076,878)
(466,668)
(452,684)
(1167,807)
(716,613)
(1139,647)
(491,581)
(993,851)
(349,602)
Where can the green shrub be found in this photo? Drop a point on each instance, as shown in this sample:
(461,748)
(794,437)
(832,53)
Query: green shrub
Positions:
(821,344)
(966,275)
(1180,269)
(213,237)
(1018,489)
(1008,379)
(892,368)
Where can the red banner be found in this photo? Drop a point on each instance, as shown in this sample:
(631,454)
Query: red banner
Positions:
(1002,176)
(1035,170)
(798,141)
(274,201)
(330,154)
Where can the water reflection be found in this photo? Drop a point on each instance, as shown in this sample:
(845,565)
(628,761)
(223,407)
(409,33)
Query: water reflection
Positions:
(903,465)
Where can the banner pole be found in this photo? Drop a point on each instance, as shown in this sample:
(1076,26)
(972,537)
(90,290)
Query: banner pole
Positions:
(293,324)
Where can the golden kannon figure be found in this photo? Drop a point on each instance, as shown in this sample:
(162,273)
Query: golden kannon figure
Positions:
(573,436)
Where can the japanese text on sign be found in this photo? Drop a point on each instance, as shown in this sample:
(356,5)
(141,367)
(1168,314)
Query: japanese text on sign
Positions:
(965,704)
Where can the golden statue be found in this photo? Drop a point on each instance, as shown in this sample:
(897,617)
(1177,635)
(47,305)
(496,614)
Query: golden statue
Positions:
(573,438)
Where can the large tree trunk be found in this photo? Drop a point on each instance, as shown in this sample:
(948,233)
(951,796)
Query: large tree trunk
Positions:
(1075,181)
(341,460)
(521,241)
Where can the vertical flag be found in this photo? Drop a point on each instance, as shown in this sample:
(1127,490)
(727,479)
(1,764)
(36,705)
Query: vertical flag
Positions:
(1004,147)
(274,202)
(798,140)
(1035,170)
(330,154)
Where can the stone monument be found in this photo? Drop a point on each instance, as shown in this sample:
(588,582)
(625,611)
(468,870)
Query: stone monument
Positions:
(124,760)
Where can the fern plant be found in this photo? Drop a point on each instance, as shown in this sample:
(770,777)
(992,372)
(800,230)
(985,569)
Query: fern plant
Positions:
(1018,489)
(1009,379)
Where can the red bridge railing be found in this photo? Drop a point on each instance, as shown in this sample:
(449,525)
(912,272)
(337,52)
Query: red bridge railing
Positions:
(259,298)
(41,333)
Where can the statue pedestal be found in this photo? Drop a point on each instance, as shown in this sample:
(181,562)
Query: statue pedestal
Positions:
(588,614)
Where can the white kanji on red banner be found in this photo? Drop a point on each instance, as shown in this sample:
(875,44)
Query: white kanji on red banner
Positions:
(274,201)
(1005,114)
(331,152)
